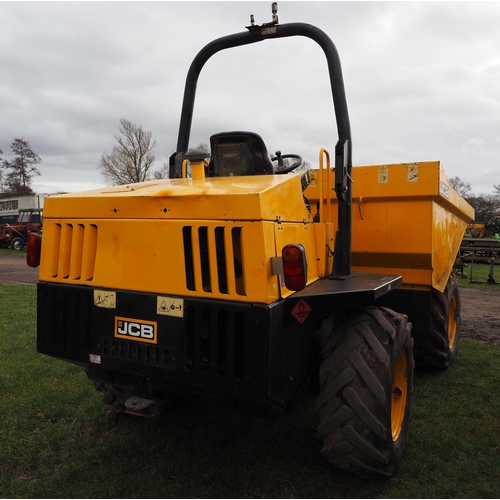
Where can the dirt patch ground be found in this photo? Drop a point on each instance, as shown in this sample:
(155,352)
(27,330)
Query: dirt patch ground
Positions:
(14,270)
(481,314)
(480,308)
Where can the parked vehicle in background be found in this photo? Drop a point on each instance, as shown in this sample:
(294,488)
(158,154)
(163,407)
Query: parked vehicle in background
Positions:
(15,235)
(10,206)
(485,229)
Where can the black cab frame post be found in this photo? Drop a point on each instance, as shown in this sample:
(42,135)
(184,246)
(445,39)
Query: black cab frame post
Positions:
(343,148)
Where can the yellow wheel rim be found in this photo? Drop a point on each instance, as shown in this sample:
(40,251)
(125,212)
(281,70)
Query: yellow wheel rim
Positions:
(452,324)
(399,394)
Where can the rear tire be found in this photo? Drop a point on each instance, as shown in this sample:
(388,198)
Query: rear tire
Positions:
(478,233)
(366,387)
(437,347)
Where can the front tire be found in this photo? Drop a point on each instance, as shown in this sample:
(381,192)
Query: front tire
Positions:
(366,387)
(16,244)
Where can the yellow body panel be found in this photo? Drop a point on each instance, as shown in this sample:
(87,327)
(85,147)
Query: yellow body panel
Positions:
(406,219)
(149,255)
(179,237)
(263,197)
(183,236)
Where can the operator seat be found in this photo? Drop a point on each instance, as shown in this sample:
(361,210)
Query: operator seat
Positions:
(238,153)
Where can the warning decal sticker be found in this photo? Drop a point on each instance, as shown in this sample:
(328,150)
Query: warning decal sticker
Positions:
(301,311)
(170,306)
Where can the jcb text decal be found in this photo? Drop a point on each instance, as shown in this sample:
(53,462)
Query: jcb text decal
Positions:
(135,329)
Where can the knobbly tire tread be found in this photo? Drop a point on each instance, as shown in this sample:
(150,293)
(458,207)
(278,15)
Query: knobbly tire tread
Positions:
(432,350)
(356,379)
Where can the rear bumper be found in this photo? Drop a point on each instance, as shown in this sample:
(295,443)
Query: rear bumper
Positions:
(253,355)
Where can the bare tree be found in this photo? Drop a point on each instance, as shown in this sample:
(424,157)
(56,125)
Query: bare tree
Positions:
(22,168)
(203,146)
(131,159)
(485,206)
(162,173)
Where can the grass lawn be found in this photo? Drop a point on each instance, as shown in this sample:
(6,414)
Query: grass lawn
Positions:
(480,273)
(58,440)
(10,251)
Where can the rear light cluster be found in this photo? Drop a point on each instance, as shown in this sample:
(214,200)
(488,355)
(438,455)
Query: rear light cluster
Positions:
(33,249)
(294,266)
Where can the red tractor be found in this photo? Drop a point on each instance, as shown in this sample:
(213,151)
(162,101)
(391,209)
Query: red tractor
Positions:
(15,235)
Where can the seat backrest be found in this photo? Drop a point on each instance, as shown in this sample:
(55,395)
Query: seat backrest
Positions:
(238,153)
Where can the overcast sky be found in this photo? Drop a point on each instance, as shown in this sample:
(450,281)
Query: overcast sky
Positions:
(422,81)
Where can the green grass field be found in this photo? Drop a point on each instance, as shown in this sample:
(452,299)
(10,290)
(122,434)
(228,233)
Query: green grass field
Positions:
(480,273)
(8,251)
(58,440)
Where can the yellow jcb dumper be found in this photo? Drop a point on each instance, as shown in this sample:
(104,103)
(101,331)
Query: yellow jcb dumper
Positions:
(258,278)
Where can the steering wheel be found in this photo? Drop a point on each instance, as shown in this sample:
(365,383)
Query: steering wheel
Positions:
(282,169)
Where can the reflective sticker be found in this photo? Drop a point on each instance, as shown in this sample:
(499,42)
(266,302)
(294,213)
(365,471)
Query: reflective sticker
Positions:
(301,311)
(105,298)
(170,306)
(383,174)
(95,358)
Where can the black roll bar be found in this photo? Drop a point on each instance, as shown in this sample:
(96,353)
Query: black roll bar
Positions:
(343,148)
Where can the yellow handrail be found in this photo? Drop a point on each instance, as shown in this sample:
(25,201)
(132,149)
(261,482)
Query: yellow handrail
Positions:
(322,153)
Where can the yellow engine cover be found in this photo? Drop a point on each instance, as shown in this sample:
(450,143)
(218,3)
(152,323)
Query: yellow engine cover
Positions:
(213,238)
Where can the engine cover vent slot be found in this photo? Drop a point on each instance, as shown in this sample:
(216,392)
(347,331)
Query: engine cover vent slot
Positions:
(213,259)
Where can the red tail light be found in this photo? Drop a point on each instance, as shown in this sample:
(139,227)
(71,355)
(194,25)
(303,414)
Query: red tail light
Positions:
(34,249)
(294,266)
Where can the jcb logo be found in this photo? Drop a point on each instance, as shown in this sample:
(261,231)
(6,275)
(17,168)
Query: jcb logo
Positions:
(135,329)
